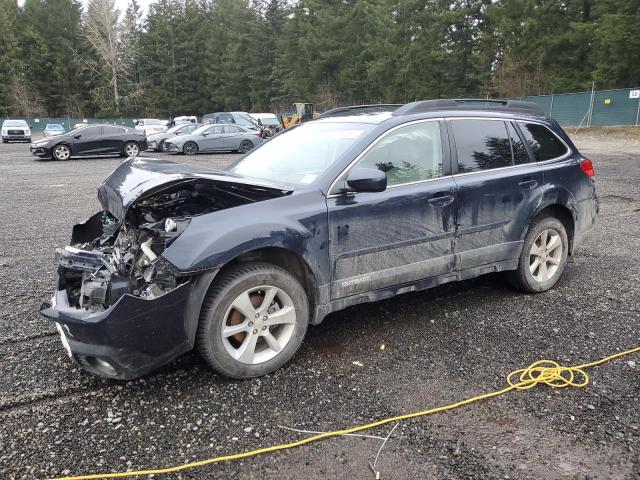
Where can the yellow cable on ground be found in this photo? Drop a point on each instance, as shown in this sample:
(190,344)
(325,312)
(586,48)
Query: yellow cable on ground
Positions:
(545,372)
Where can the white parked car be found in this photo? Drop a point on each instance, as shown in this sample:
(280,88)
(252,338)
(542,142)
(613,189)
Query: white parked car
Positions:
(15,130)
(185,119)
(149,126)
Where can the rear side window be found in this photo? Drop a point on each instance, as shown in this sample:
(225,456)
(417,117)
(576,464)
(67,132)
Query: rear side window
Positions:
(520,155)
(232,129)
(409,154)
(544,144)
(481,145)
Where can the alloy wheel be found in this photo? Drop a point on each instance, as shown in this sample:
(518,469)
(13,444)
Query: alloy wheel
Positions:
(131,149)
(62,152)
(545,255)
(258,324)
(245,146)
(190,148)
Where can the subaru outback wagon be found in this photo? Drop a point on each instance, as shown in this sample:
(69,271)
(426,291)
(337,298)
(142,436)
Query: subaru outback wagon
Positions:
(331,213)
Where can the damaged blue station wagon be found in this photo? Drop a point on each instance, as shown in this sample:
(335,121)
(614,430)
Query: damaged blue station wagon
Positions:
(332,213)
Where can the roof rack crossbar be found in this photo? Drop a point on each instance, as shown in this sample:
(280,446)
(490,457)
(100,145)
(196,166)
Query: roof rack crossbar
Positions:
(508,106)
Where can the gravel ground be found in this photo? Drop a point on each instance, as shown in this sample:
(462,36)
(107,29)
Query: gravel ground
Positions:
(441,346)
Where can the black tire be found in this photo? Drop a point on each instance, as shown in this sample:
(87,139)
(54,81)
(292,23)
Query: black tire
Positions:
(160,146)
(58,152)
(190,148)
(522,278)
(132,146)
(217,311)
(5,141)
(245,146)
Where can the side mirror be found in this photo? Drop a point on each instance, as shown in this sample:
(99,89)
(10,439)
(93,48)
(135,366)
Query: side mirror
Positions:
(77,136)
(367,180)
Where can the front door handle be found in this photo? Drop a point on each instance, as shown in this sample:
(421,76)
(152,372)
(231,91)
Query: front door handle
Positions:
(528,184)
(441,200)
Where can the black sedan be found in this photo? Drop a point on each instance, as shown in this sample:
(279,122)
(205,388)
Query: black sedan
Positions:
(91,140)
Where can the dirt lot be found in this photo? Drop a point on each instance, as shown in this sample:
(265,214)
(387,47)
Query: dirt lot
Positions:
(440,346)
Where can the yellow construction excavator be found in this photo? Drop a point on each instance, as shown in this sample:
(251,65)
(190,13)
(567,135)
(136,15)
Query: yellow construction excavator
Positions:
(303,113)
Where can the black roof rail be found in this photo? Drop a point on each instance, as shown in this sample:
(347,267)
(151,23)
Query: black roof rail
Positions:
(507,106)
(354,110)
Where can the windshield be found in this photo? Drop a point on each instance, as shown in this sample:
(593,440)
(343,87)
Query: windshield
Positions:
(301,154)
(269,121)
(201,129)
(176,128)
(14,123)
(54,126)
(245,120)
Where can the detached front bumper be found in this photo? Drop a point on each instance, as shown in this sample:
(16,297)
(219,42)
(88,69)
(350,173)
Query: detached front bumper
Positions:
(130,338)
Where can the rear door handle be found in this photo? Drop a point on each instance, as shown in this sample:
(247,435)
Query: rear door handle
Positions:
(441,200)
(528,184)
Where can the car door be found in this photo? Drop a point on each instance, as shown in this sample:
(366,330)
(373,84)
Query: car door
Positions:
(112,139)
(499,186)
(88,141)
(232,137)
(405,233)
(211,139)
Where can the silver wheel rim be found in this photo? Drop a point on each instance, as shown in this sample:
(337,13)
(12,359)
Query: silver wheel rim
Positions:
(545,255)
(245,146)
(258,324)
(131,150)
(189,149)
(62,152)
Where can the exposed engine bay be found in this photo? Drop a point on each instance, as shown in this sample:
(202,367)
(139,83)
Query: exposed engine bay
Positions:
(109,258)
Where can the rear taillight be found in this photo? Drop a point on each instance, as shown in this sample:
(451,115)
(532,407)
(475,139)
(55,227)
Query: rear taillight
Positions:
(587,167)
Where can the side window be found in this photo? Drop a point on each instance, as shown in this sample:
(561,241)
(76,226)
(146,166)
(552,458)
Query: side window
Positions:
(520,155)
(112,131)
(215,130)
(187,129)
(544,144)
(481,145)
(91,132)
(408,154)
(231,129)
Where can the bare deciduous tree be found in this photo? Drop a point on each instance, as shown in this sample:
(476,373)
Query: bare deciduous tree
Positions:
(115,56)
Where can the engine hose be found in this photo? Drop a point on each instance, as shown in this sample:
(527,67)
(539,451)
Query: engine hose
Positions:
(542,372)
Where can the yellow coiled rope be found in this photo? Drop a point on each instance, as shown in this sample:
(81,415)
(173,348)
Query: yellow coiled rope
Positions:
(542,372)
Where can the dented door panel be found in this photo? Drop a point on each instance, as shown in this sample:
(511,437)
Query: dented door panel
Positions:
(401,235)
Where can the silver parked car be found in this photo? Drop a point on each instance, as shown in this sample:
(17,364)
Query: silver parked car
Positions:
(53,129)
(214,138)
(156,140)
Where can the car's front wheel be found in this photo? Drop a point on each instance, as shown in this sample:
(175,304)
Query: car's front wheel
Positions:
(61,152)
(190,148)
(253,320)
(543,257)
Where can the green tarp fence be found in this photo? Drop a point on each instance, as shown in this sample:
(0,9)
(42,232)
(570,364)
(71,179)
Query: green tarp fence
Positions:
(587,109)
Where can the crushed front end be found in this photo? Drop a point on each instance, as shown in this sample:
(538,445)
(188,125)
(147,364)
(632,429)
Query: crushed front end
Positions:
(120,307)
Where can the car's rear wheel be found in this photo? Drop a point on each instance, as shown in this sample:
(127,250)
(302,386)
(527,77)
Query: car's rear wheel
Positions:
(61,152)
(543,258)
(190,148)
(245,146)
(253,320)
(130,149)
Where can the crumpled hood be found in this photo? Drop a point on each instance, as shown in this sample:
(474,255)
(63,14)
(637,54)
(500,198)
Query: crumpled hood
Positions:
(139,177)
